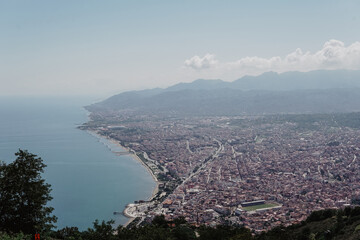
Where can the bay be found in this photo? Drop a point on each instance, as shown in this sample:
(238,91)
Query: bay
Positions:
(88,180)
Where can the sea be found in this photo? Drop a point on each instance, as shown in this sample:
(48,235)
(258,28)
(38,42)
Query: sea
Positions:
(88,180)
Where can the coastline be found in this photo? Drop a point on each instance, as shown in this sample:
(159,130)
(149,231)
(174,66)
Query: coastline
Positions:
(156,190)
(133,154)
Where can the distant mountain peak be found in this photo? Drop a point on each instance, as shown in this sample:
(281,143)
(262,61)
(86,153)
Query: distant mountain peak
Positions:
(199,84)
(291,92)
(207,80)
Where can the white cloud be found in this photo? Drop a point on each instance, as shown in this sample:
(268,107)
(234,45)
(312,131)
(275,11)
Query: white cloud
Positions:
(197,62)
(333,55)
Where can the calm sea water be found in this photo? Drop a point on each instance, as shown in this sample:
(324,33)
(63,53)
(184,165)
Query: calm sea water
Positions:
(88,180)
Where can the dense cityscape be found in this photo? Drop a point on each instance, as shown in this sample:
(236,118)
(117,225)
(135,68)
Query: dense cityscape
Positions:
(257,172)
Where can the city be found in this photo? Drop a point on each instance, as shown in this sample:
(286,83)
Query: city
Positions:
(210,166)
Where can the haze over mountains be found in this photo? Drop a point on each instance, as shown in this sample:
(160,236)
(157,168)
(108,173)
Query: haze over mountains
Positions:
(322,91)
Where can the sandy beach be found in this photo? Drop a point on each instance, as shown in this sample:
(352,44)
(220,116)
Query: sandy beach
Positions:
(133,154)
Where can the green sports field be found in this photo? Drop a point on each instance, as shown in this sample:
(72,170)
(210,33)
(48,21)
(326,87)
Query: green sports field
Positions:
(261,206)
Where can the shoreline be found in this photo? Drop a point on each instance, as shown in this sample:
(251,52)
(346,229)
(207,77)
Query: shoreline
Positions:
(134,156)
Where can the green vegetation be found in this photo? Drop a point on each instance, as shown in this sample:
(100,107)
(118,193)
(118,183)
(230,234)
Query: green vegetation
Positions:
(142,158)
(24,195)
(357,228)
(320,225)
(329,224)
(261,206)
(20,236)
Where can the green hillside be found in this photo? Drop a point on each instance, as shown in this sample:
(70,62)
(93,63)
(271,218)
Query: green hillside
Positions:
(320,225)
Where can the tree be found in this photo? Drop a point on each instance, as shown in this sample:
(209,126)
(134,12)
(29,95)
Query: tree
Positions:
(24,195)
(180,220)
(103,231)
(160,221)
(67,233)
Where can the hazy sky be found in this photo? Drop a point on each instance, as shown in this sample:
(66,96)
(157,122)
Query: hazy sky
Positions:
(104,47)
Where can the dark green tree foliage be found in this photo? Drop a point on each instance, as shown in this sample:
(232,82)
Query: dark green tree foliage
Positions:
(160,221)
(159,229)
(19,236)
(24,195)
(103,231)
(321,215)
(67,233)
(325,224)
(277,233)
(224,232)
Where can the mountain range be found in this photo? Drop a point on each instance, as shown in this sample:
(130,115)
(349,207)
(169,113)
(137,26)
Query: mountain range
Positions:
(321,91)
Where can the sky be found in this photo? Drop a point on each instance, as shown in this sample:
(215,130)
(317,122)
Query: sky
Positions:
(104,47)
